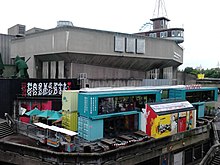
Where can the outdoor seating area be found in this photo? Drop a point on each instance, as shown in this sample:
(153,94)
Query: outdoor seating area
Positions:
(50,117)
(56,137)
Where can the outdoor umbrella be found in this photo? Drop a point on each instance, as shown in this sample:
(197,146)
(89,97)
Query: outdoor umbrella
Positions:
(33,112)
(56,115)
(46,114)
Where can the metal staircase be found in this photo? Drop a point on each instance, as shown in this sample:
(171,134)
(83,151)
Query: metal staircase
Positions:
(5,129)
(216,159)
(213,155)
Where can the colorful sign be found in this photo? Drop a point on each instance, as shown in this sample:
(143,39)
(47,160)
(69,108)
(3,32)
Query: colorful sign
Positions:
(200,76)
(182,122)
(193,86)
(160,125)
(44,87)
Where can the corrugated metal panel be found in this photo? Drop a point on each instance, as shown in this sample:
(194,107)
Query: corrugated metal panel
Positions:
(157,82)
(90,129)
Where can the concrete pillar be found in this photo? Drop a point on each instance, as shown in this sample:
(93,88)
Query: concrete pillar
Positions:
(45,70)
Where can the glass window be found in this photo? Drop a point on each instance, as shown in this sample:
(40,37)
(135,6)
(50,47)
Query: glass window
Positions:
(206,147)
(188,156)
(106,105)
(163,34)
(123,103)
(154,35)
(119,125)
(177,33)
(165,94)
(200,96)
(173,33)
(198,152)
(162,23)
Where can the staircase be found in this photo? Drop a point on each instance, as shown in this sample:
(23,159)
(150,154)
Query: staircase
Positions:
(212,157)
(5,129)
(216,159)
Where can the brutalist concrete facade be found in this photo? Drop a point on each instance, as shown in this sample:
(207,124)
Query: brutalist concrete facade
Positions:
(5,47)
(67,52)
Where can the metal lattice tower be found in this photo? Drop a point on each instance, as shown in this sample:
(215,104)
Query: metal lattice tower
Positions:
(160,9)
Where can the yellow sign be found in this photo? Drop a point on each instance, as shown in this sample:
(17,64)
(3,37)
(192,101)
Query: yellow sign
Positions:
(161,126)
(200,76)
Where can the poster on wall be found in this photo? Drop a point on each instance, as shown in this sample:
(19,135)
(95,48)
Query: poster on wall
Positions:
(191,120)
(174,121)
(46,87)
(182,122)
(164,120)
(160,125)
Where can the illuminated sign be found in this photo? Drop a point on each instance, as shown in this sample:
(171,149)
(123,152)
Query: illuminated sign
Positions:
(193,86)
(41,88)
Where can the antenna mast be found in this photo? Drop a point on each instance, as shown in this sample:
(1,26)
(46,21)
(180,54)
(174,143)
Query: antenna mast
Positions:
(160,9)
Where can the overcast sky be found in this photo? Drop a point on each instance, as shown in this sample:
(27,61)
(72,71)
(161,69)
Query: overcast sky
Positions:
(201,45)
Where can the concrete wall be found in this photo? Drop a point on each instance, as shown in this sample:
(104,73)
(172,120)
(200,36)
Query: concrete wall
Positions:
(89,41)
(113,82)
(68,42)
(186,79)
(98,72)
(4,48)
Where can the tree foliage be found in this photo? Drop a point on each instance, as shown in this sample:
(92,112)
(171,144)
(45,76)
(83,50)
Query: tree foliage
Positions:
(209,73)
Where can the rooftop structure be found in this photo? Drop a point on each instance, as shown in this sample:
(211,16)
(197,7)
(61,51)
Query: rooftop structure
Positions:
(160,25)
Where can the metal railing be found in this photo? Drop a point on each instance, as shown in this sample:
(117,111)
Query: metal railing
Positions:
(210,154)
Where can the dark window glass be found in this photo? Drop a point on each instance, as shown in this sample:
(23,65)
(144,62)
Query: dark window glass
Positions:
(188,156)
(206,147)
(198,152)
(106,105)
(123,103)
(200,96)
(165,94)
(120,125)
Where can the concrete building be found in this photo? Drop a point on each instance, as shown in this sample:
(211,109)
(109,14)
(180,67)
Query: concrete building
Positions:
(98,58)
(4,47)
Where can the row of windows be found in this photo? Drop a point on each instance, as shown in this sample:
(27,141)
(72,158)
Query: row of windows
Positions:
(164,34)
(200,96)
(123,103)
(129,103)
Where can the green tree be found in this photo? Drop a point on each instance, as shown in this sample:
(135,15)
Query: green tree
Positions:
(188,70)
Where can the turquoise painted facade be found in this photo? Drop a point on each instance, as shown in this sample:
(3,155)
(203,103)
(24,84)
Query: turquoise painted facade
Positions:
(88,102)
(183,93)
(90,129)
(200,107)
(91,119)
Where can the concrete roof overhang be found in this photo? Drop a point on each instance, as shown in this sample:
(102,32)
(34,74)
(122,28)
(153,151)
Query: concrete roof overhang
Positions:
(121,62)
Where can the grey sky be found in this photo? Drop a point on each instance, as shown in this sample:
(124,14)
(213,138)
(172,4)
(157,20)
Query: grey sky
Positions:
(127,16)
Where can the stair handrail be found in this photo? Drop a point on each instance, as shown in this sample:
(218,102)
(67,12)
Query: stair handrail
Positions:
(216,147)
(10,122)
(210,154)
